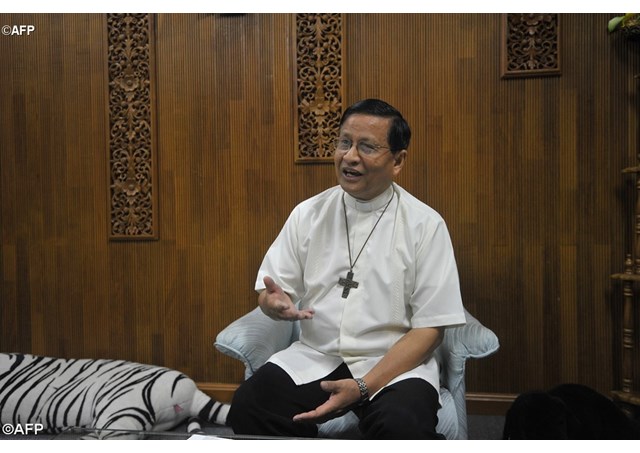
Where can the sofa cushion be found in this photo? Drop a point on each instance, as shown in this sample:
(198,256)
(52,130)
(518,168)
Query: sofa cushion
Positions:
(253,338)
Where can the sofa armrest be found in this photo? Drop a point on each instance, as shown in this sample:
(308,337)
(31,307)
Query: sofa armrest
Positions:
(253,338)
(470,341)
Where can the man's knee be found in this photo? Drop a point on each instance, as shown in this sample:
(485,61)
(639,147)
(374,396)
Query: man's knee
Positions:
(255,391)
(405,410)
(398,423)
(241,405)
(265,404)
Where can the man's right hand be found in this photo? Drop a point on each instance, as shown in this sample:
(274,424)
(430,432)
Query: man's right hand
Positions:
(276,304)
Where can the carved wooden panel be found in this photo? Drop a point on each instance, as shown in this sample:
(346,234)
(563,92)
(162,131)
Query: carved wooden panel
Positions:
(131,127)
(319,84)
(530,45)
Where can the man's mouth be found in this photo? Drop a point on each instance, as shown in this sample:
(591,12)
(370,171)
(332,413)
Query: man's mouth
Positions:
(350,173)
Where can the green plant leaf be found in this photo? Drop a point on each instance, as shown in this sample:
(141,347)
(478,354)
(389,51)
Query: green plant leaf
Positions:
(613,23)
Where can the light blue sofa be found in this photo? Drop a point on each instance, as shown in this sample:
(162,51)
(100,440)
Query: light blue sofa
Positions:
(254,337)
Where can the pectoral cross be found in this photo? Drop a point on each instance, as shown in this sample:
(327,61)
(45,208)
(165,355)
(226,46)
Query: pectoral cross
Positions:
(348,283)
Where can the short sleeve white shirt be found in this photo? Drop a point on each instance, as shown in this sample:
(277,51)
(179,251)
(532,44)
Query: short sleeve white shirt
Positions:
(406,273)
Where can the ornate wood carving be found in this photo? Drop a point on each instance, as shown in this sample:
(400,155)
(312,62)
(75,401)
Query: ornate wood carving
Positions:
(319,69)
(628,395)
(131,127)
(530,45)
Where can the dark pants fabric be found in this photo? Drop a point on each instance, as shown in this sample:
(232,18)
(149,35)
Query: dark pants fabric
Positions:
(266,403)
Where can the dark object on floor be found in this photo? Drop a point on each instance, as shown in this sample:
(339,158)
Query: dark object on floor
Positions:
(568,411)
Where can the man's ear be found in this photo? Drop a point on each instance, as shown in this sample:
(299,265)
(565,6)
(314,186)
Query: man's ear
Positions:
(399,158)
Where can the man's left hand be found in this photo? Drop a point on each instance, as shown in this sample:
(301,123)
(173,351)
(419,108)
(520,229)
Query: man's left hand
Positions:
(344,394)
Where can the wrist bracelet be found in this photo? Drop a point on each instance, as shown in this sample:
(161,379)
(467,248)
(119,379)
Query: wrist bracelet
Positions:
(364,391)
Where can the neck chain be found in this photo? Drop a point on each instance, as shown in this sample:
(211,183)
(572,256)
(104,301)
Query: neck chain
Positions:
(348,282)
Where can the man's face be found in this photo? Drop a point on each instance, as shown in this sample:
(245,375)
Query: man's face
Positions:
(365,176)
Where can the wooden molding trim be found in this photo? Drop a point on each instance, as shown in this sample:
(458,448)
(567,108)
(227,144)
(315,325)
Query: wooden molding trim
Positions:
(218,391)
(489,403)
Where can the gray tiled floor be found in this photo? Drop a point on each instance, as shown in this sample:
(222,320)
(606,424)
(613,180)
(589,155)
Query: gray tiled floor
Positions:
(485,427)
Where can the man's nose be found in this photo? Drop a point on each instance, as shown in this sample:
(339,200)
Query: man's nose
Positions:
(352,153)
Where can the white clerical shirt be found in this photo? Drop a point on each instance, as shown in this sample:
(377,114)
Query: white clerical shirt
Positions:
(406,273)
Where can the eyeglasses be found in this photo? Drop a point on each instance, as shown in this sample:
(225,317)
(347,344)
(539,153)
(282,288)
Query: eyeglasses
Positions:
(364,149)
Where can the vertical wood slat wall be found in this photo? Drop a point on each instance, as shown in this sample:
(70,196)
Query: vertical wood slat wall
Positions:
(525,171)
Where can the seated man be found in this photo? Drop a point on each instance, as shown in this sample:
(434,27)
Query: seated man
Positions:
(369,271)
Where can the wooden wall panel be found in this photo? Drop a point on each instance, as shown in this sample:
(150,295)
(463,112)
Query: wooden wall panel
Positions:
(525,171)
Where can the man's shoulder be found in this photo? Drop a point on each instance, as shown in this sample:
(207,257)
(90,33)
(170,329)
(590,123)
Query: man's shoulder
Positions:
(320,199)
(415,207)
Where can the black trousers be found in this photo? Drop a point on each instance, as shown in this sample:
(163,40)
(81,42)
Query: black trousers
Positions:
(266,403)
